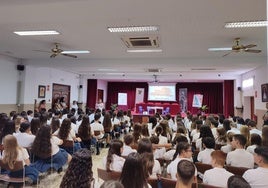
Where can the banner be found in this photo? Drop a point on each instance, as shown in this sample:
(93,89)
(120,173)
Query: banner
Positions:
(197,100)
(139,95)
(122,98)
(183,99)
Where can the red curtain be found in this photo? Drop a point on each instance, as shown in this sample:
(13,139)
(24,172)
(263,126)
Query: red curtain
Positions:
(91,93)
(228,97)
(125,87)
(212,95)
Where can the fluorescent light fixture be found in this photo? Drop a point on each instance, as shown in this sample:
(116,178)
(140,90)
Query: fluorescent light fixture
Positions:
(32,33)
(115,73)
(106,70)
(145,50)
(247,83)
(219,49)
(133,29)
(246,24)
(76,52)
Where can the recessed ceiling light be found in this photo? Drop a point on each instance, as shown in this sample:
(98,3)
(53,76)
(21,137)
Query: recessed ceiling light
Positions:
(220,49)
(106,70)
(32,33)
(115,73)
(260,23)
(76,52)
(145,50)
(132,29)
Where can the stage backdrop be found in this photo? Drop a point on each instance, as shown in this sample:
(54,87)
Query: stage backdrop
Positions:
(212,95)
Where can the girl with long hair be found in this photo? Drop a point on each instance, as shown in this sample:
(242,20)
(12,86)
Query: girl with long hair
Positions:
(46,149)
(133,167)
(107,126)
(84,132)
(13,153)
(9,128)
(55,124)
(114,161)
(79,172)
(35,125)
(205,131)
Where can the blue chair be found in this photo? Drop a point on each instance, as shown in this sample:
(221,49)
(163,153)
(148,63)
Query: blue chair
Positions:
(167,110)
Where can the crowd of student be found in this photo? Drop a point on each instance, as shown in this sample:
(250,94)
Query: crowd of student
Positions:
(42,141)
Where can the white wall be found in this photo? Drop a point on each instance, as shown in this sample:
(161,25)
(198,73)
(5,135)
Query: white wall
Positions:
(47,76)
(8,82)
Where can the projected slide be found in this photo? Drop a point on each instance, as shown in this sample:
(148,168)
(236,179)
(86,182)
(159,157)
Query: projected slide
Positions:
(162,93)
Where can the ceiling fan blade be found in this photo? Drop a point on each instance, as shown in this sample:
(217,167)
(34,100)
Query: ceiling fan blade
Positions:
(250,46)
(69,55)
(53,55)
(41,51)
(252,51)
(226,54)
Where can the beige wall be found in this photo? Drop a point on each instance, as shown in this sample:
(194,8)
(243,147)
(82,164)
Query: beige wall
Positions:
(259,114)
(7,108)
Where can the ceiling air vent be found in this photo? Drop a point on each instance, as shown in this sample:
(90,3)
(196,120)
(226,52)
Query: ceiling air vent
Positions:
(141,41)
(203,69)
(153,70)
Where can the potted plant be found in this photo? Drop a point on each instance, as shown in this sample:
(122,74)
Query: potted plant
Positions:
(114,107)
(203,108)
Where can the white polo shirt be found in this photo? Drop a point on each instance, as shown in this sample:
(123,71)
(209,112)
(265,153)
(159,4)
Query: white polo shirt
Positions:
(217,177)
(257,178)
(240,158)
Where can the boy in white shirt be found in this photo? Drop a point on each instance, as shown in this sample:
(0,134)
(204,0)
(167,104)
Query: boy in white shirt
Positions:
(128,140)
(205,155)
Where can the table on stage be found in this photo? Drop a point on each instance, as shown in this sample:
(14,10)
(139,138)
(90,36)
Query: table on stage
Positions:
(174,108)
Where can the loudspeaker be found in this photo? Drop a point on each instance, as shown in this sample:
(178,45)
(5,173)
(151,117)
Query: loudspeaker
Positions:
(20,67)
(80,86)
(239,88)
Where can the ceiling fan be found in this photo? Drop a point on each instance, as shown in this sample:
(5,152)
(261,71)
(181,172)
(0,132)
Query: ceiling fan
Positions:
(57,51)
(155,79)
(237,47)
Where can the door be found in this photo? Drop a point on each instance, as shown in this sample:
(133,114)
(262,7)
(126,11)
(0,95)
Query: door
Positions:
(58,91)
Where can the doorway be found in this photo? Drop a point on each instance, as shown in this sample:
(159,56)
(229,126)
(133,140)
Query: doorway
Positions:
(58,91)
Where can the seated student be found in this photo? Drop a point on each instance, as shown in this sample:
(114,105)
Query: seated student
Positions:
(111,184)
(228,147)
(144,146)
(113,161)
(221,136)
(24,137)
(185,174)
(128,140)
(253,129)
(255,141)
(13,152)
(217,176)
(195,134)
(237,181)
(240,157)
(204,156)
(258,177)
(233,128)
(178,138)
(183,151)
(46,149)
(214,125)
(79,172)
(132,175)
(158,152)
(205,131)
(158,132)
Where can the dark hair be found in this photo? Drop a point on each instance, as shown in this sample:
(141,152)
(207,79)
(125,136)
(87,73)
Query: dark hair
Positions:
(35,125)
(111,184)
(153,120)
(79,172)
(97,116)
(265,135)
(107,123)
(252,123)
(222,134)
(29,112)
(9,128)
(215,123)
(144,130)
(237,181)
(154,139)
(24,126)
(241,139)
(84,130)
(115,148)
(182,146)
(262,151)
(179,138)
(55,124)
(65,129)
(42,146)
(128,139)
(255,139)
(136,132)
(158,130)
(186,171)
(145,145)
(205,131)
(147,163)
(133,168)
(209,142)
(43,118)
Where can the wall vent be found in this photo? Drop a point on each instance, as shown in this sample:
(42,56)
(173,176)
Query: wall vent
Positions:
(203,69)
(153,70)
(141,41)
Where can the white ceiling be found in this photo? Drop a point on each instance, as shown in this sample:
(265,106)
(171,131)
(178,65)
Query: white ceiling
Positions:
(187,29)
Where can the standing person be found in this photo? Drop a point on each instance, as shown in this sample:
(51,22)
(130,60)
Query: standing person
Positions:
(74,105)
(63,103)
(12,153)
(99,105)
(265,116)
(97,127)
(79,172)
(42,106)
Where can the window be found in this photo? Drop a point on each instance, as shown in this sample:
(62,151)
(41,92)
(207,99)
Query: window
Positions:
(248,83)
